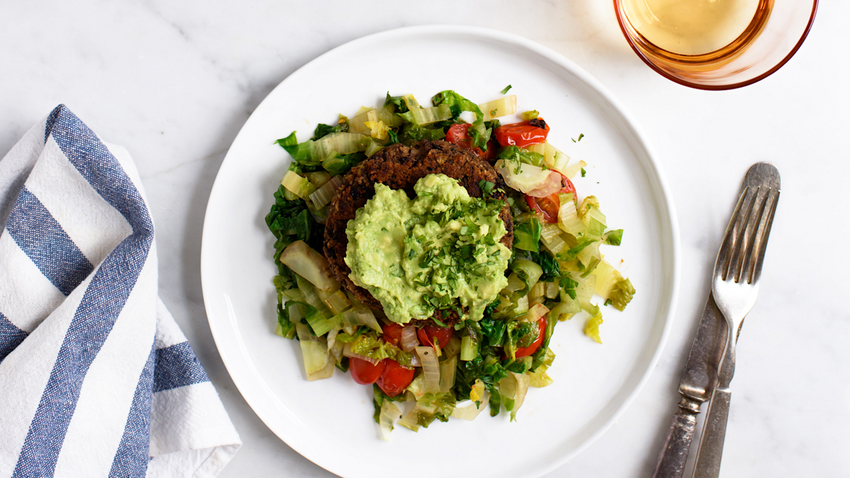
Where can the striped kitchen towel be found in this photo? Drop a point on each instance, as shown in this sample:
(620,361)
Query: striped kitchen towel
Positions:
(96,378)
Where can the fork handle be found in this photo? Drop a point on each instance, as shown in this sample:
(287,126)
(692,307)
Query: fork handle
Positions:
(714,434)
(674,454)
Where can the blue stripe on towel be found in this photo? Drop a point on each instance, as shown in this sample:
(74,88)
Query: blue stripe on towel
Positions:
(51,119)
(43,240)
(131,459)
(10,336)
(102,302)
(100,168)
(177,366)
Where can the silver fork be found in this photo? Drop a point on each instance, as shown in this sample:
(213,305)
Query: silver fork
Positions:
(735,288)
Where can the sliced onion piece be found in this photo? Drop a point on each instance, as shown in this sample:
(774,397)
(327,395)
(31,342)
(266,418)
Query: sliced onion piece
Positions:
(430,368)
(498,108)
(469,410)
(314,350)
(360,315)
(296,184)
(514,387)
(309,264)
(555,159)
(573,169)
(553,184)
(335,347)
(409,340)
(527,178)
(389,414)
(326,193)
(410,420)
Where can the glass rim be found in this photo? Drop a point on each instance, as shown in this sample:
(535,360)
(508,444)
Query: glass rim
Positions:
(730,86)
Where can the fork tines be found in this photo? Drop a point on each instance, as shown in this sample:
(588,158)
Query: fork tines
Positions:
(742,251)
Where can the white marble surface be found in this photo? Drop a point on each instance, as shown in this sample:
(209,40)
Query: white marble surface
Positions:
(174,81)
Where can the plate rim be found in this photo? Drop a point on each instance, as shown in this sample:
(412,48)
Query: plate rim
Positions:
(238,366)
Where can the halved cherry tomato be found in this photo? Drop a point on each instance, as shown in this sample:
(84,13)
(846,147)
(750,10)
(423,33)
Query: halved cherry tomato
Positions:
(363,372)
(395,378)
(522,134)
(547,207)
(458,134)
(392,333)
(431,334)
(526,351)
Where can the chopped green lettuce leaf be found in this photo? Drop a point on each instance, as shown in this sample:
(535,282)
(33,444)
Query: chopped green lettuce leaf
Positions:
(369,345)
(621,294)
(323,130)
(518,155)
(527,234)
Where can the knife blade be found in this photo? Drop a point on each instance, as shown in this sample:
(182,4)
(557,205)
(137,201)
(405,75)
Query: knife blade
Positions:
(698,380)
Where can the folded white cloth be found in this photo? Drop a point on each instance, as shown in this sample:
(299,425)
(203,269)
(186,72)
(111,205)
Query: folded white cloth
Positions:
(96,378)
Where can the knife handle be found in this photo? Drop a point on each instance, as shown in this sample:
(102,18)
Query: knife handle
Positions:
(674,454)
(713,435)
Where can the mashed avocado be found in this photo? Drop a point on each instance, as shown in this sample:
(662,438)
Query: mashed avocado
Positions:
(440,250)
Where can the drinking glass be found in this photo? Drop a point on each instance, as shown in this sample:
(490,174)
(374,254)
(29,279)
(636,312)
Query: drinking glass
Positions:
(715,44)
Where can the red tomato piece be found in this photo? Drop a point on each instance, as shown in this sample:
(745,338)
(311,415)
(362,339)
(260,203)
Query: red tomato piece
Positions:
(526,351)
(392,333)
(431,335)
(364,372)
(395,378)
(522,134)
(459,134)
(547,207)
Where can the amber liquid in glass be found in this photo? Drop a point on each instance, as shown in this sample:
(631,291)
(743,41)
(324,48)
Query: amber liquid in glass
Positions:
(696,31)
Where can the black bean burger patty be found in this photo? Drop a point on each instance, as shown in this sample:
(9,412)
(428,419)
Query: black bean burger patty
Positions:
(399,167)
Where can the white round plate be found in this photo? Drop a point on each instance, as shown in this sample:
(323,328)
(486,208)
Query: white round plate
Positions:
(330,421)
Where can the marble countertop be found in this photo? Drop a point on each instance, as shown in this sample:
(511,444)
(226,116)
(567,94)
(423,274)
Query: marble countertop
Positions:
(173,82)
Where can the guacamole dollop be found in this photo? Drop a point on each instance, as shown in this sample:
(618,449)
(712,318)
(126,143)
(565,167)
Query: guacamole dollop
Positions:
(440,250)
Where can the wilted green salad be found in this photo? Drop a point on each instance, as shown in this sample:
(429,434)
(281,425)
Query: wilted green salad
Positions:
(498,347)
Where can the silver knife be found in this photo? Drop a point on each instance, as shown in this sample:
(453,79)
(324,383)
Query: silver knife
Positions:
(695,387)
